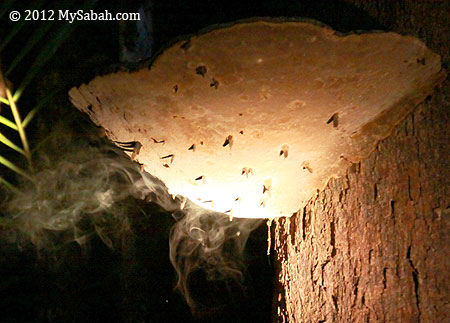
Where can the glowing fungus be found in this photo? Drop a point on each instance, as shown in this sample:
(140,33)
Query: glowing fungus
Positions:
(310,100)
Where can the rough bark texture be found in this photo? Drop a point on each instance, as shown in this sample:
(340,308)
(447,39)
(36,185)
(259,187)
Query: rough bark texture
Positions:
(374,245)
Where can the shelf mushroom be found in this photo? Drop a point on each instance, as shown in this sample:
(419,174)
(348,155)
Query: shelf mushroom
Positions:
(253,117)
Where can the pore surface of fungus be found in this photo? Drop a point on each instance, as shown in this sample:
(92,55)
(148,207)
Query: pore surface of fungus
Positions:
(252,118)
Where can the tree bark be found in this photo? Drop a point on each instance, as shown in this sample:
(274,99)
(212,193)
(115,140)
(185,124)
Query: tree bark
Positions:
(373,246)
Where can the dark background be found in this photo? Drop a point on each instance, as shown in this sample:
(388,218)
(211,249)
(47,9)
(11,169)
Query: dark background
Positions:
(132,283)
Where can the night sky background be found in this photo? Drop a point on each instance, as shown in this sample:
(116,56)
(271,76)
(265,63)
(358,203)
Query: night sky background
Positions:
(133,282)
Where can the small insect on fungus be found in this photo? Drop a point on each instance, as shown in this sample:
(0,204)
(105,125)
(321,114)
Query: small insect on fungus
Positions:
(171,156)
(156,141)
(421,61)
(267,185)
(126,146)
(186,45)
(307,165)
(183,203)
(201,178)
(132,146)
(136,150)
(247,171)
(214,83)
(228,141)
(211,202)
(284,151)
(335,119)
(230,214)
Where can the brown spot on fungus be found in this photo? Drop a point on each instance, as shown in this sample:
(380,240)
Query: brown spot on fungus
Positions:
(175,88)
(201,70)
(192,147)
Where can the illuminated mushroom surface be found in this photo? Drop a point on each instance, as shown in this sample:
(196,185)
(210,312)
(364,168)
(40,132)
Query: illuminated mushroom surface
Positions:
(252,118)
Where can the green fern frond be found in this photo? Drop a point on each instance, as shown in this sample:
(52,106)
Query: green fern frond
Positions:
(8,122)
(14,168)
(45,52)
(9,186)
(20,128)
(10,144)
(3,100)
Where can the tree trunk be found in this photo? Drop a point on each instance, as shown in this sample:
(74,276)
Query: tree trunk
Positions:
(373,246)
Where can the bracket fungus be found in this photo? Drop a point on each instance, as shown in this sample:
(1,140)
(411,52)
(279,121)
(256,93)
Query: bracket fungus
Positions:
(263,112)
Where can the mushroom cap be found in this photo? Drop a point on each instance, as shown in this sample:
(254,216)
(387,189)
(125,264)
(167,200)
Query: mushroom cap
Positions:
(256,116)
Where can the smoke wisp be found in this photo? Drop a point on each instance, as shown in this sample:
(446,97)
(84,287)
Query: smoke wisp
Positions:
(86,190)
(209,241)
(82,190)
